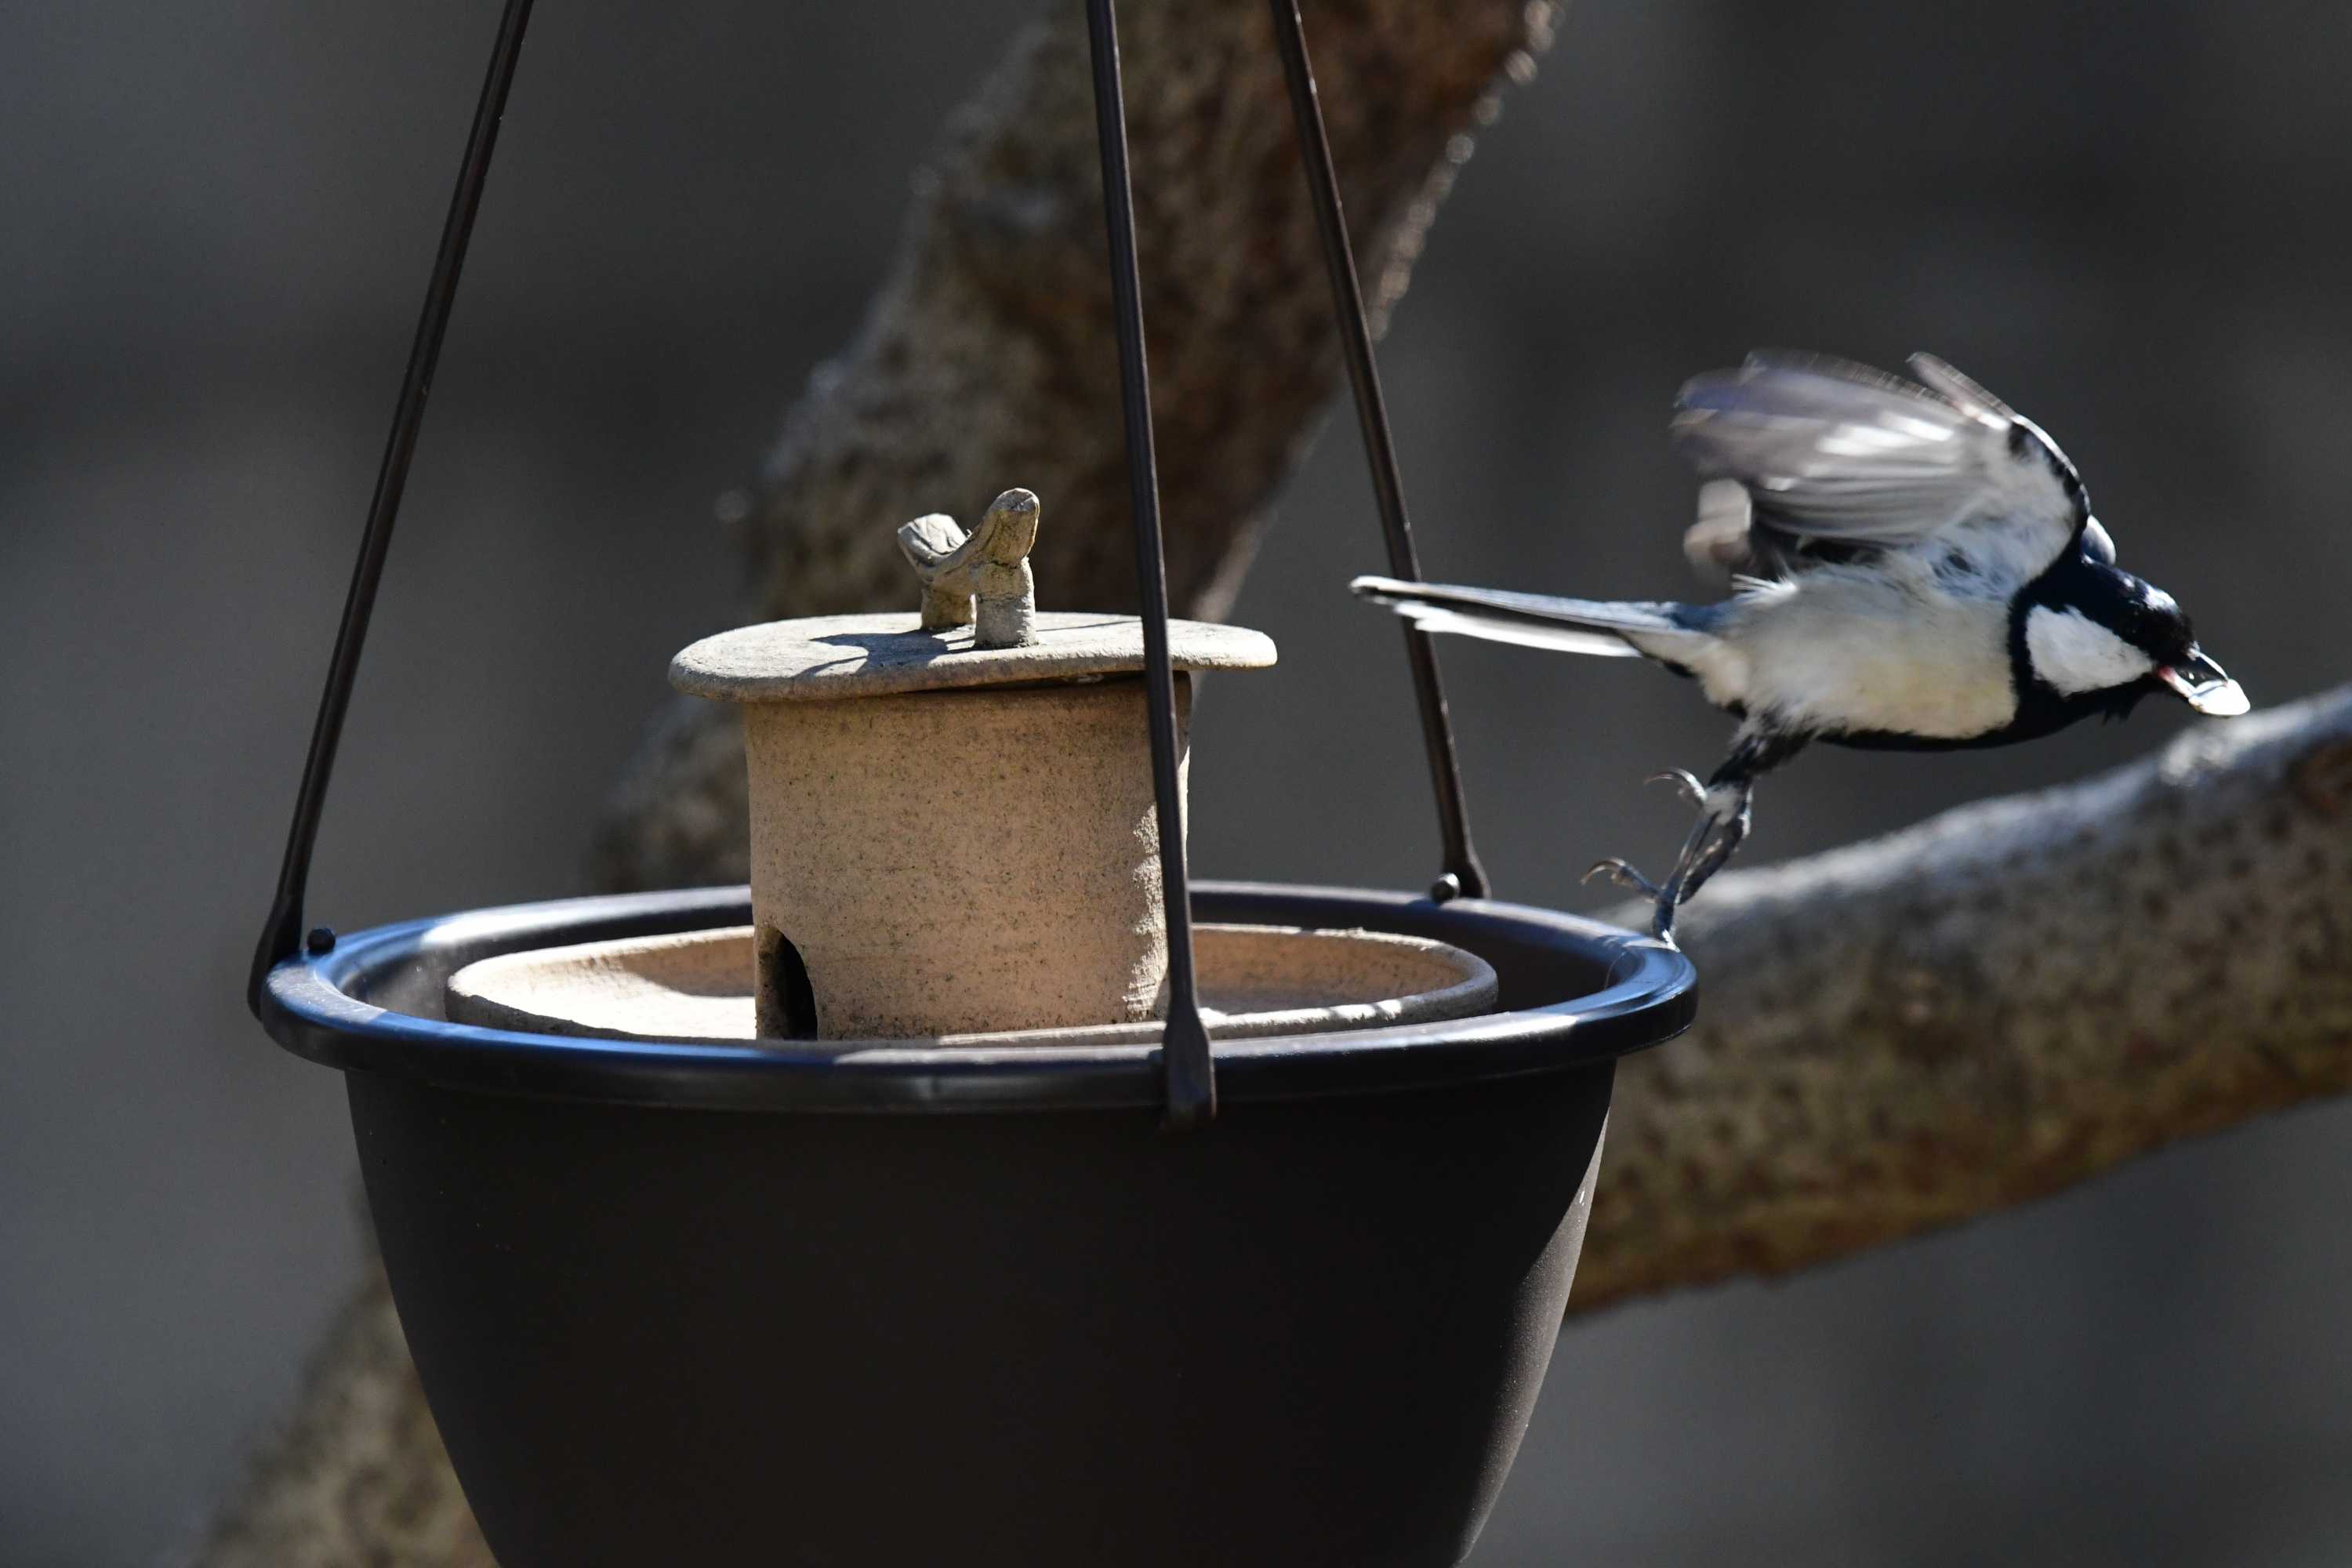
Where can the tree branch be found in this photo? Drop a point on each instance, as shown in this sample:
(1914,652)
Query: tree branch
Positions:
(1997,1004)
(359,1476)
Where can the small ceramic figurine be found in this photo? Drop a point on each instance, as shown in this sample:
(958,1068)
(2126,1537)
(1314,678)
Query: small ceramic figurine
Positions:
(990,565)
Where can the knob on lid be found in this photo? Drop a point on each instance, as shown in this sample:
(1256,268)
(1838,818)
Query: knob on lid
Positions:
(979,625)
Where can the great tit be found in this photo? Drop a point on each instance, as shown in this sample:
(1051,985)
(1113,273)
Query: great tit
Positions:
(1913,566)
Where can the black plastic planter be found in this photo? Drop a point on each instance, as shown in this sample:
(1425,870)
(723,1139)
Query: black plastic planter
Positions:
(715,1306)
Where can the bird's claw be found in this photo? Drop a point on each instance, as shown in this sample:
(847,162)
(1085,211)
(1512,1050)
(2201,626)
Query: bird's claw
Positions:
(1625,876)
(1685,785)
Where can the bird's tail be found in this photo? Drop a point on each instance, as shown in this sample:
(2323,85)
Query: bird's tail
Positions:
(1611,628)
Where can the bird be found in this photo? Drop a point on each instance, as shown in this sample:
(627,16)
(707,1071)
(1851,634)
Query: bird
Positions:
(1911,564)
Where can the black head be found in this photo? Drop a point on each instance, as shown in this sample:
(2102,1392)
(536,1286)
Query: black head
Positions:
(2093,636)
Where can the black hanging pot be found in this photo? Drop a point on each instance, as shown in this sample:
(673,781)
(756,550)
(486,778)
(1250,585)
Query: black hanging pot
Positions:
(716,1305)
(1285,1301)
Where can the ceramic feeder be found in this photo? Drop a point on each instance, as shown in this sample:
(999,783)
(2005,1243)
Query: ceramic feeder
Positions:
(953,831)
(953,836)
(973,1187)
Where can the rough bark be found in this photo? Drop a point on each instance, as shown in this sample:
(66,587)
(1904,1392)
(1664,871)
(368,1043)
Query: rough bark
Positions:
(359,1476)
(2002,1001)
(986,361)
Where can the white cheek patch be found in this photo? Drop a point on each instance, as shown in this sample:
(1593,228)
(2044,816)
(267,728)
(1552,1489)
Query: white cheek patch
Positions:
(2075,654)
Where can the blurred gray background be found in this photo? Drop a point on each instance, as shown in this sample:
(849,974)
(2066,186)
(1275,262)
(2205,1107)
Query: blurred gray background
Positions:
(2129,219)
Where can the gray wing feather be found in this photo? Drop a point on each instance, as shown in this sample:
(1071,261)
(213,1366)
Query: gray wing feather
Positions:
(1962,391)
(1721,542)
(1831,450)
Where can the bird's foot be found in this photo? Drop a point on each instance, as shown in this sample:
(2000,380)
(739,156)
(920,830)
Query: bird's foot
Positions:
(1622,874)
(1662,918)
(1685,785)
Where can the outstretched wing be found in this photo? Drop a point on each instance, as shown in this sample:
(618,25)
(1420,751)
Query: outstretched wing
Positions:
(1836,454)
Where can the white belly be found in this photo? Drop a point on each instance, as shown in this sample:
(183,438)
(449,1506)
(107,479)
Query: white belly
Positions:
(1843,652)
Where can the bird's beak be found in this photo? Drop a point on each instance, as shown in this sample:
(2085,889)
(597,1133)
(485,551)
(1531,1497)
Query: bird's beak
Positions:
(2203,686)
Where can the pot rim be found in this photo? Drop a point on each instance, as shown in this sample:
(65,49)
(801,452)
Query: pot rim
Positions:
(316,1006)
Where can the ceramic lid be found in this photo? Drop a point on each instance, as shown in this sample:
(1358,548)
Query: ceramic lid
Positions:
(834,657)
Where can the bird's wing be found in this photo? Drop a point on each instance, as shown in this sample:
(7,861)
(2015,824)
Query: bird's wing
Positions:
(1838,453)
(1962,391)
